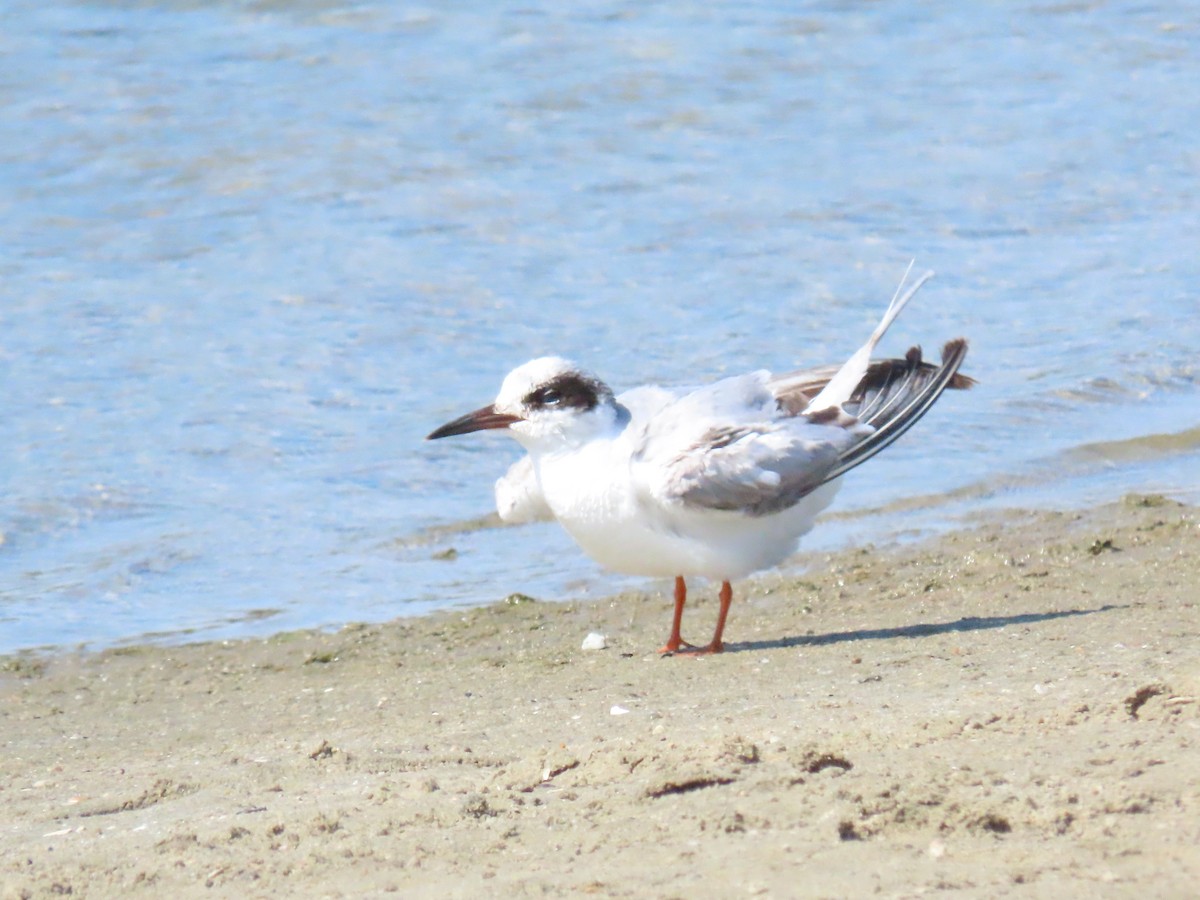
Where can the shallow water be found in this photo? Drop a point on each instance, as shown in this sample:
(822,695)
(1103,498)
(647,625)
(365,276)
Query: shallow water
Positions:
(254,252)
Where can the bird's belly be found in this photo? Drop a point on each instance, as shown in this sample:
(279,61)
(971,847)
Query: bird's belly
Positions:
(630,547)
(714,544)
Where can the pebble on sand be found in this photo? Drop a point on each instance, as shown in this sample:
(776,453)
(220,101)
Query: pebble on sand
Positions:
(595,641)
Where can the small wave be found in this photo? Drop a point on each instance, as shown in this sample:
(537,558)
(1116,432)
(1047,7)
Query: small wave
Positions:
(434,534)
(1105,389)
(1138,449)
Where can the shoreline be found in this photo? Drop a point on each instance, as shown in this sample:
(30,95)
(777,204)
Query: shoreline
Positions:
(1008,710)
(889,528)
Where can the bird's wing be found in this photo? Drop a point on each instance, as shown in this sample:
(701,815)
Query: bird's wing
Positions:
(757,458)
(894,397)
(795,391)
(726,447)
(755,470)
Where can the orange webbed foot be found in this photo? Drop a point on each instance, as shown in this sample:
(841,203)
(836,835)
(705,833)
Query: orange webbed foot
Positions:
(682,647)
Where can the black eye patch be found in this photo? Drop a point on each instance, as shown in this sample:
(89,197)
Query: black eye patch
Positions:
(567,390)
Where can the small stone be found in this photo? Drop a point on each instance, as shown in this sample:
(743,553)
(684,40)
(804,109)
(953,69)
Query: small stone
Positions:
(618,711)
(594,641)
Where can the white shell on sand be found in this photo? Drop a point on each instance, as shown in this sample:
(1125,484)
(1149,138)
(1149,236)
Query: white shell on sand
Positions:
(594,641)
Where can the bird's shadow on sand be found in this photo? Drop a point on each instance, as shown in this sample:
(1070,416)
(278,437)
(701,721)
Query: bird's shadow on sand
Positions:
(967,623)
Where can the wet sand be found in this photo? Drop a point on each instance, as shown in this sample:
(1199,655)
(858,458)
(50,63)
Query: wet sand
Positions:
(1010,711)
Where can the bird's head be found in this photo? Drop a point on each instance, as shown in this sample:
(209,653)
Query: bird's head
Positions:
(544,403)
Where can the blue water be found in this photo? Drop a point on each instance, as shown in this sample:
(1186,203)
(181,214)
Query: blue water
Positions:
(252,253)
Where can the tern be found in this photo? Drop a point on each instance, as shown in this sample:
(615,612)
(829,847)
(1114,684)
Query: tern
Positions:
(719,481)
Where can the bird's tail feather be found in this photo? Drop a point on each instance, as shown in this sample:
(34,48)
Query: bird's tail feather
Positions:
(840,387)
(896,397)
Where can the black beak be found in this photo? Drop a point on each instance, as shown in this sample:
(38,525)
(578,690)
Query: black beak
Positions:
(480,420)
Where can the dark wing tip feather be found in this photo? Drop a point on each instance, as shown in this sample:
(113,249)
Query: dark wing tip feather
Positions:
(901,392)
(958,381)
(795,390)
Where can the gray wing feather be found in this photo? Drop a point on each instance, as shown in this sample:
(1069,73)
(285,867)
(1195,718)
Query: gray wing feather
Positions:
(729,446)
(755,470)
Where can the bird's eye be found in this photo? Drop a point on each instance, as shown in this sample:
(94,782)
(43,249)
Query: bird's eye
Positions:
(567,391)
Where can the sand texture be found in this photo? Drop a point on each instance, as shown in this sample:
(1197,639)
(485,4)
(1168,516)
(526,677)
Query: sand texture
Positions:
(1010,711)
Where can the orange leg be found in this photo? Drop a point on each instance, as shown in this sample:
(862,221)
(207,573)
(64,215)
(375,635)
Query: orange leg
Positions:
(716,645)
(726,597)
(675,643)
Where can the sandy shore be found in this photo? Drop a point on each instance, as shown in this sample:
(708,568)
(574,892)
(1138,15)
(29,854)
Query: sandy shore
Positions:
(1013,711)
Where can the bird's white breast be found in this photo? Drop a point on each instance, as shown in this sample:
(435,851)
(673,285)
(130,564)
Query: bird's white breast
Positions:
(593,496)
